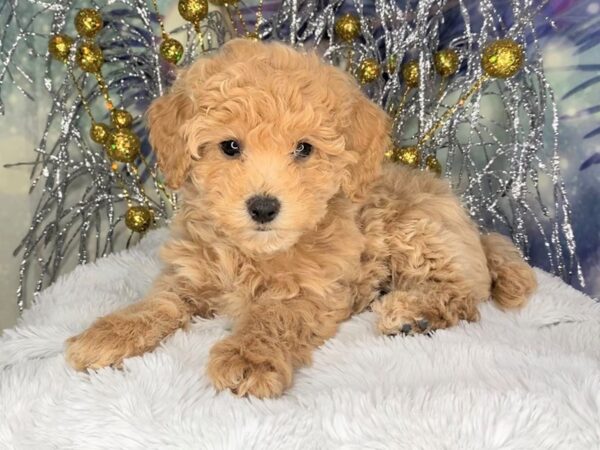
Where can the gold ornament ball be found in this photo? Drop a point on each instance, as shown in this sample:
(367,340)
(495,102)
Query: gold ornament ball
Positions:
(123,146)
(502,58)
(253,37)
(409,156)
(172,50)
(120,118)
(139,218)
(347,27)
(368,70)
(88,22)
(410,73)
(432,164)
(446,62)
(59,46)
(193,10)
(89,57)
(100,133)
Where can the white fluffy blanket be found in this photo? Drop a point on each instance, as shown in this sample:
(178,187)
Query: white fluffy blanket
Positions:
(522,380)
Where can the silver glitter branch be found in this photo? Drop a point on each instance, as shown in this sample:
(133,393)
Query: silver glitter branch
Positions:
(82,198)
(507,170)
(505,165)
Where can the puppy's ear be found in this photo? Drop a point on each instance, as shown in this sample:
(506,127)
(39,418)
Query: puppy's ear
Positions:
(168,113)
(166,116)
(367,130)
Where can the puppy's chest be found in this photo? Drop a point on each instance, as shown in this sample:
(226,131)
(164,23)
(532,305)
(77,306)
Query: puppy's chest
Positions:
(289,273)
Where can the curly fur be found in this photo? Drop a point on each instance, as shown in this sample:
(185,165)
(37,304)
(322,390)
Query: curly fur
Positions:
(352,231)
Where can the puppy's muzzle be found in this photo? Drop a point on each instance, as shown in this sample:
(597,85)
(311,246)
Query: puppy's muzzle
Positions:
(263,208)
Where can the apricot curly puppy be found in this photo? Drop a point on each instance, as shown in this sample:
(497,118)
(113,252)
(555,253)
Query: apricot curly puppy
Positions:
(290,223)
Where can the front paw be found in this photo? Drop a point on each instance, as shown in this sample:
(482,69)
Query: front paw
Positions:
(106,343)
(249,366)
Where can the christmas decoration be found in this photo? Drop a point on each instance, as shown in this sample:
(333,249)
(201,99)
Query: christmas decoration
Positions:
(171,49)
(436,66)
(89,57)
(123,146)
(100,133)
(239,22)
(138,218)
(368,70)
(120,118)
(446,62)
(410,74)
(392,63)
(94,163)
(194,11)
(88,22)
(502,59)
(59,47)
(347,27)
(409,156)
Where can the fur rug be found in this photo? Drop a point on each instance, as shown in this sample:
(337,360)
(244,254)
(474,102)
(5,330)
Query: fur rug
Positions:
(522,380)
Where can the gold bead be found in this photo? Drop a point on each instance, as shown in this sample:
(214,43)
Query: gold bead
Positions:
(88,22)
(59,46)
(368,70)
(410,73)
(193,11)
(347,27)
(123,146)
(253,37)
(502,58)
(120,118)
(100,133)
(392,63)
(139,218)
(172,50)
(446,62)
(432,164)
(89,57)
(409,156)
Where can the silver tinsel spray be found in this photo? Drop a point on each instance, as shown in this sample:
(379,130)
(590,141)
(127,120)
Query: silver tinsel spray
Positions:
(494,136)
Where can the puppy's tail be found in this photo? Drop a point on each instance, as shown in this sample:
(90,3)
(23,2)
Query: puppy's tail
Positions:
(513,280)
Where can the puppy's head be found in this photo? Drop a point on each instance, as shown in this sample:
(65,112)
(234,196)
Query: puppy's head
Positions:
(260,137)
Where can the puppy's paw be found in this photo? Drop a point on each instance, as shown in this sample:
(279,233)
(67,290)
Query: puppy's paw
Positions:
(406,325)
(106,343)
(396,318)
(249,368)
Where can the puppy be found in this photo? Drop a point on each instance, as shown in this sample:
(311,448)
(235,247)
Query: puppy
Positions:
(290,223)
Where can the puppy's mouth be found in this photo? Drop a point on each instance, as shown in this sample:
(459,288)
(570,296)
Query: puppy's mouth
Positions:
(263,228)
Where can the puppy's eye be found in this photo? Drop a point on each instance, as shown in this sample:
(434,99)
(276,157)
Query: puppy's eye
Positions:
(303,150)
(231,148)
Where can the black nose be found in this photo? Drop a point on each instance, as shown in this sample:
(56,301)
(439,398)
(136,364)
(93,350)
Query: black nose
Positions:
(263,208)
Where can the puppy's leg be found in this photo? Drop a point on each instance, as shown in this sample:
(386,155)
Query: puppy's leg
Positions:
(424,308)
(438,277)
(269,341)
(133,330)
